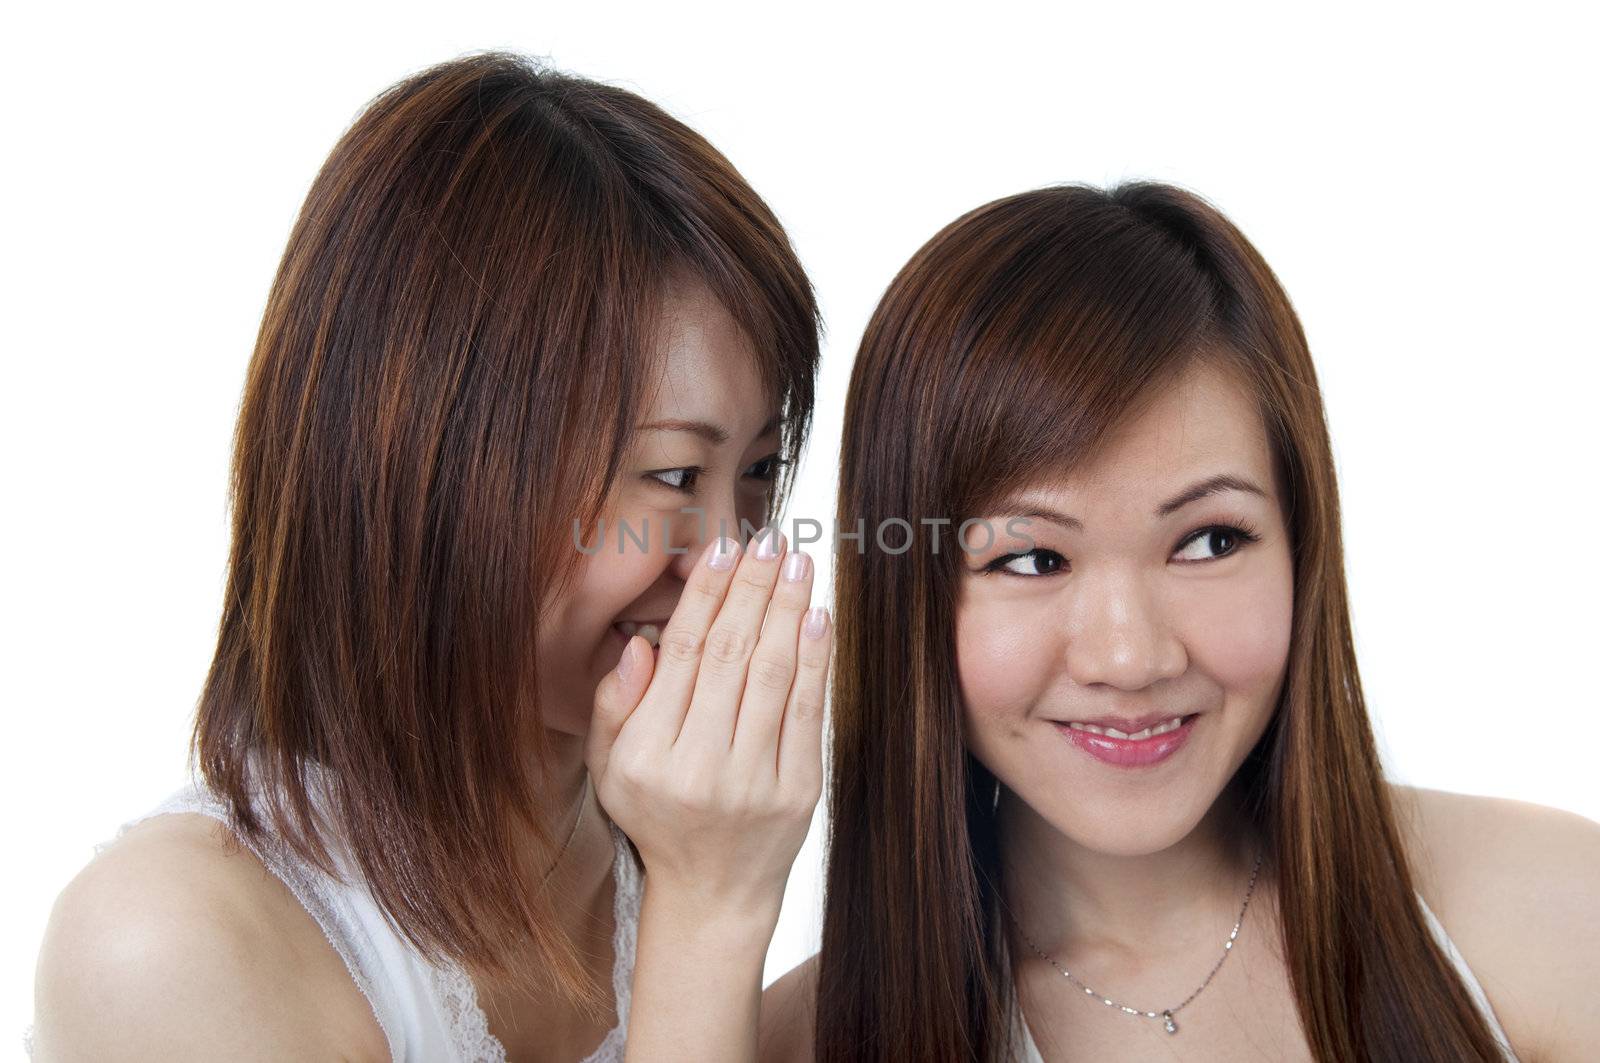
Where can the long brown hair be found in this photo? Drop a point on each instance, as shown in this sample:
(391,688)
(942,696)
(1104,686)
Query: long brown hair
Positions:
(1007,349)
(450,364)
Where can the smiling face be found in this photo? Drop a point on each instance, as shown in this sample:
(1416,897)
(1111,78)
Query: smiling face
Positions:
(1147,598)
(708,442)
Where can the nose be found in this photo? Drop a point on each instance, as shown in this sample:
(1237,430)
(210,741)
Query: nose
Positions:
(1119,634)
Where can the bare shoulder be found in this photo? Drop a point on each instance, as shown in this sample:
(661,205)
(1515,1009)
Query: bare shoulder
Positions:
(1517,887)
(1469,851)
(788,1016)
(176,943)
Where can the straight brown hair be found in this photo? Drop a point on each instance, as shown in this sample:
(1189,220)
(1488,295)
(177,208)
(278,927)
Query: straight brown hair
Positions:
(448,370)
(1008,349)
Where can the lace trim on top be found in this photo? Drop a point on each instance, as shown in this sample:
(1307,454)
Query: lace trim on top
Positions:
(458,996)
(466,1024)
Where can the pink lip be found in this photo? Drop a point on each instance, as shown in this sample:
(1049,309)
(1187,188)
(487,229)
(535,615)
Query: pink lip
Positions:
(1126,752)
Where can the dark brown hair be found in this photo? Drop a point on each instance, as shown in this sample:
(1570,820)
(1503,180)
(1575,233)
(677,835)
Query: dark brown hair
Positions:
(449,367)
(1008,349)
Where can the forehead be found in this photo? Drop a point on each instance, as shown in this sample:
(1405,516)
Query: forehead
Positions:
(707,367)
(1204,423)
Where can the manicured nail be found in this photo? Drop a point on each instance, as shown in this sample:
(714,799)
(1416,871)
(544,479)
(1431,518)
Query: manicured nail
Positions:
(767,542)
(796,566)
(723,553)
(816,622)
(629,663)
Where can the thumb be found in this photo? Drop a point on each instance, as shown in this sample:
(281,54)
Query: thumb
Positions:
(617,695)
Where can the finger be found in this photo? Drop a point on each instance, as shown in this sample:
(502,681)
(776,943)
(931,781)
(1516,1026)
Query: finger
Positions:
(772,668)
(617,695)
(683,639)
(800,741)
(719,687)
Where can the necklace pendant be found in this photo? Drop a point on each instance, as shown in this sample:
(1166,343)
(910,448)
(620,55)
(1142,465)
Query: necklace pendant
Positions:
(1172,1027)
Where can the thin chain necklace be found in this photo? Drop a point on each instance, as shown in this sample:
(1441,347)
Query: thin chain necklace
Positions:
(582,803)
(1167,1013)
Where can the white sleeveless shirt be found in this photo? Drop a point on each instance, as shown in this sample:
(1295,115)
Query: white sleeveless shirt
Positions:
(428,1014)
(1029,1051)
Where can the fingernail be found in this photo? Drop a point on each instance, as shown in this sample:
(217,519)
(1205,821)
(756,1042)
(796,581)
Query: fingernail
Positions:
(796,566)
(816,622)
(722,554)
(629,663)
(767,542)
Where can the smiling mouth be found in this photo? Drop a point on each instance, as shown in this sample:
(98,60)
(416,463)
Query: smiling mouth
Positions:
(650,631)
(1153,731)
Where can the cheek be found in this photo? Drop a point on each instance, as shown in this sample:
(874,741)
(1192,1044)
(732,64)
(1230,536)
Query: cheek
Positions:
(999,660)
(1239,635)
(572,639)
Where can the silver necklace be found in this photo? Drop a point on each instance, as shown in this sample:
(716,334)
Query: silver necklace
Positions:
(582,803)
(1167,1013)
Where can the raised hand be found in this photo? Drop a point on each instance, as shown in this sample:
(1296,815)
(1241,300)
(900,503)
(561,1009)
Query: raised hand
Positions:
(708,755)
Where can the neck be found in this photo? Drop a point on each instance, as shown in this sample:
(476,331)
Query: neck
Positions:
(1073,901)
(579,888)
(578,876)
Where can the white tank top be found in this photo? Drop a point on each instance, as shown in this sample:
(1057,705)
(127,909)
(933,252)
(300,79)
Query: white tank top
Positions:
(428,1014)
(1029,1051)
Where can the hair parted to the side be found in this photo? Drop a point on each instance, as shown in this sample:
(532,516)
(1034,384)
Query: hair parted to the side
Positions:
(1007,350)
(450,363)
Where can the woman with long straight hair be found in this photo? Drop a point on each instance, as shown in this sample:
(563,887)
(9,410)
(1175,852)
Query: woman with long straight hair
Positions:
(507,744)
(1104,786)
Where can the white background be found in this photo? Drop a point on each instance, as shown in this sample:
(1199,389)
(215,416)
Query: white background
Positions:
(1422,181)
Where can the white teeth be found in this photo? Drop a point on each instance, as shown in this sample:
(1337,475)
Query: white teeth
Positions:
(1111,732)
(651,632)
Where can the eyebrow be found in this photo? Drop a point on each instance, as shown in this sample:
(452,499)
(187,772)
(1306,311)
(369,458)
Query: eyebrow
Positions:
(714,434)
(1195,492)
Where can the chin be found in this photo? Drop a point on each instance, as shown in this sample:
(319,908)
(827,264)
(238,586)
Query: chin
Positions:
(1132,825)
(569,710)
(1140,841)
(563,725)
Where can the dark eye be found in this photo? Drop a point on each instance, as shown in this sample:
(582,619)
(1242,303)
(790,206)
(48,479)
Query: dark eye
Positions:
(1220,540)
(1044,562)
(681,480)
(766,469)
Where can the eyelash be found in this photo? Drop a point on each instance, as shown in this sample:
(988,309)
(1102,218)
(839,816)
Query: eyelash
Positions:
(696,471)
(1243,533)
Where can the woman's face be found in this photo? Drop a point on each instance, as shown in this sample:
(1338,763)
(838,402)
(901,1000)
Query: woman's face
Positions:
(701,460)
(1147,596)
